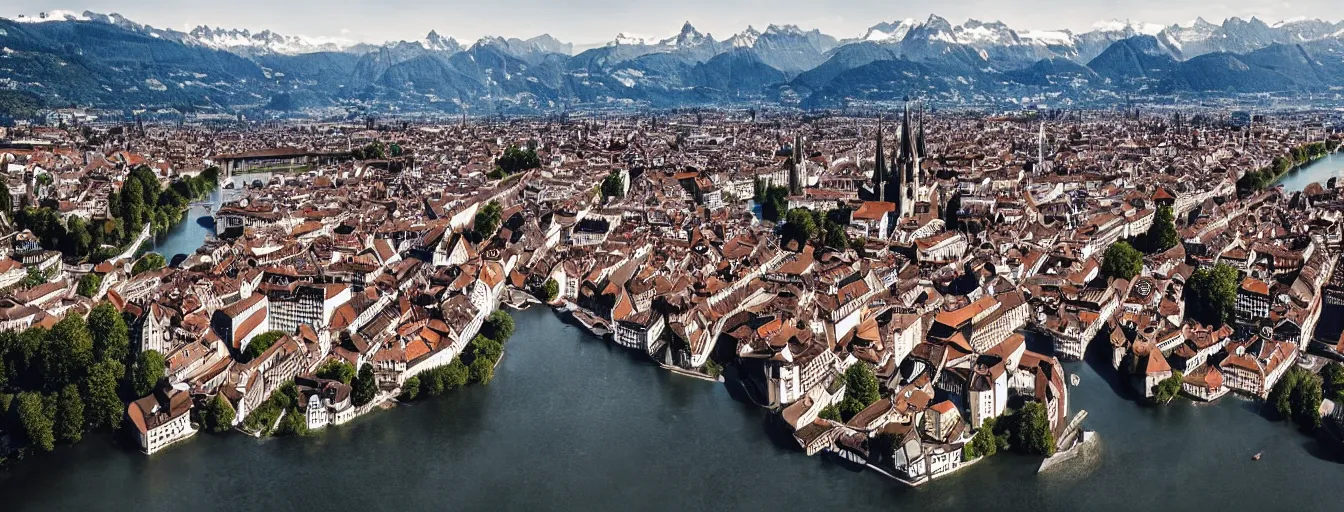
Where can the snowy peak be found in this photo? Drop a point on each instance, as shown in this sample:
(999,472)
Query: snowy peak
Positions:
(689,37)
(746,38)
(437,43)
(245,42)
(889,32)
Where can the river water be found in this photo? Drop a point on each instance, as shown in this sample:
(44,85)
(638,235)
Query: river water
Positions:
(1332,166)
(574,423)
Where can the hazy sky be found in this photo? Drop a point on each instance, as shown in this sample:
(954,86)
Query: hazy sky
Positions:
(596,21)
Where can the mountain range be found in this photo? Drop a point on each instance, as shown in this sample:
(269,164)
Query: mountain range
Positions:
(109,61)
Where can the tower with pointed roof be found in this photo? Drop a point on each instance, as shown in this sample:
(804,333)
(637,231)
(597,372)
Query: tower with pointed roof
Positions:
(904,182)
(879,167)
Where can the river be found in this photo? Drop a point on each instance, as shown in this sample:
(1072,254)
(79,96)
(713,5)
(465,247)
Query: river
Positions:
(1332,166)
(574,423)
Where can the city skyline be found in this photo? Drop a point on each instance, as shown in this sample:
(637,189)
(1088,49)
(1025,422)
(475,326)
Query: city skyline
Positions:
(596,22)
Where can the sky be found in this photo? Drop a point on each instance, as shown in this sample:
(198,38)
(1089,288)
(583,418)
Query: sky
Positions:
(591,22)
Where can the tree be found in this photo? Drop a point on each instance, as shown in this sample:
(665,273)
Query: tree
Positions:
(984,443)
(37,426)
(457,374)
(775,203)
(515,160)
(102,407)
(68,354)
(482,370)
(410,389)
(148,372)
(337,370)
(1162,235)
(800,225)
(1211,295)
(831,412)
(89,285)
(365,386)
(499,326)
(111,337)
(217,415)
(486,348)
(550,290)
(1332,379)
(1306,400)
(259,344)
(1281,395)
(295,424)
(69,423)
(1032,434)
(861,389)
(151,261)
(487,220)
(6,200)
(1166,390)
(1122,261)
(613,185)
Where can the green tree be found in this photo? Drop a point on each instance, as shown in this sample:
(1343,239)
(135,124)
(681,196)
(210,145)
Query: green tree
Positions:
(89,285)
(456,374)
(68,354)
(775,204)
(1122,261)
(1032,434)
(487,220)
(37,426)
(294,424)
(1306,399)
(365,386)
(613,185)
(217,415)
(259,344)
(482,370)
(550,290)
(1211,295)
(410,390)
(151,261)
(861,389)
(69,423)
(984,443)
(148,372)
(111,337)
(830,412)
(800,225)
(1281,395)
(337,370)
(515,160)
(486,348)
(499,326)
(1162,235)
(1168,389)
(102,407)
(6,200)
(1332,379)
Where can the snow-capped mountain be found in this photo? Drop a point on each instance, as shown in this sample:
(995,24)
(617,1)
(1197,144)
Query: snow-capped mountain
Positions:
(247,43)
(437,43)
(745,39)
(892,32)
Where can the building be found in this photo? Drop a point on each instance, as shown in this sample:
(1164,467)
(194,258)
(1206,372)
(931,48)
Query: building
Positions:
(161,419)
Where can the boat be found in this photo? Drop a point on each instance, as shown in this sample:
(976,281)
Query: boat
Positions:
(1257,456)
(1074,379)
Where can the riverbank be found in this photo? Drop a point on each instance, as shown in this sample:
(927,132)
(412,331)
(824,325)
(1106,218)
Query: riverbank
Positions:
(599,427)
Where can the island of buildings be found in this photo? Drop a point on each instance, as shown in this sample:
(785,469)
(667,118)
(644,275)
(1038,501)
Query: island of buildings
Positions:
(955,259)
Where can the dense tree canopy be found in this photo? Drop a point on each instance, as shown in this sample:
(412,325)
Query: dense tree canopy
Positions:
(148,371)
(259,344)
(550,290)
(861,389)
(89,285)
(338,371)
(1211,295)
(1122,261)
(1168,389)
(37,426)
(151,261)
(613,185)
(365,385)
(1162,235)
(217,415)
(515,160)
(487,220)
